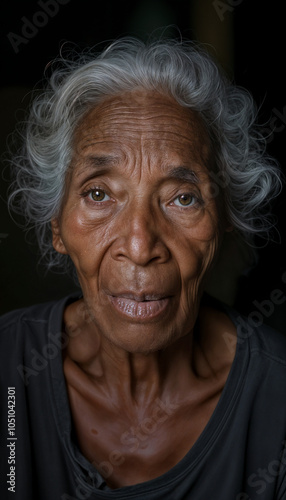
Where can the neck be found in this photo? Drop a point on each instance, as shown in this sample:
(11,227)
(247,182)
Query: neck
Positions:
(136,378)
(148,376)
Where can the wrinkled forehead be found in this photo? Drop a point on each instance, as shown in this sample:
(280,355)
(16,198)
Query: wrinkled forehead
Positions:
(142,116)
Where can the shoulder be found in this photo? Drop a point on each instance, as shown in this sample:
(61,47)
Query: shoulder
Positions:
(33,314)
(32,317)
(23,330)
(268,342)
(29,339)
(263,340)
(254,334)
(11,318)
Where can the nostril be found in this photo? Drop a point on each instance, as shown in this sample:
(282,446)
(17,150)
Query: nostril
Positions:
(140,252)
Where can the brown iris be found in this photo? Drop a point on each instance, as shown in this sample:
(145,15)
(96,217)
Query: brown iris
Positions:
(98,195)
(185,199)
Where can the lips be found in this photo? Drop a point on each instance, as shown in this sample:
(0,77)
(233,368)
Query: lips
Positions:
(143,306)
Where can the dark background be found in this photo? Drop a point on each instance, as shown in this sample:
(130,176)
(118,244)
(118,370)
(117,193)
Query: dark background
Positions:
(247,37)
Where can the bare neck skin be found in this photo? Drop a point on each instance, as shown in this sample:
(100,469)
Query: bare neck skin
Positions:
(141,377)
(145,376)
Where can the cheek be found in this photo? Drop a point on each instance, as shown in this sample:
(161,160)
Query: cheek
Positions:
(196,252)
(85,241)
(208,228)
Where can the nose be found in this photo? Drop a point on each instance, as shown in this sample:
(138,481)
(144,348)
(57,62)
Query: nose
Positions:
(140,238)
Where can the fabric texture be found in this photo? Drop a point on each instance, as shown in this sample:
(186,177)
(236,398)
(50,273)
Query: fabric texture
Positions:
(240,455)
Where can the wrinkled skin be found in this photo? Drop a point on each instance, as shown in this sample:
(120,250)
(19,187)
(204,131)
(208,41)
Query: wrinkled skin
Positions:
(141,225)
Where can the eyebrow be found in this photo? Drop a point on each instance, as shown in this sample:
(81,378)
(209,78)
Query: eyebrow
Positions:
(97,165)
(103,163)
(98,161)
(185,174)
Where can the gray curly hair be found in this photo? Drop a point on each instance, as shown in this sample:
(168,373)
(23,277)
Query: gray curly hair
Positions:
(248,177)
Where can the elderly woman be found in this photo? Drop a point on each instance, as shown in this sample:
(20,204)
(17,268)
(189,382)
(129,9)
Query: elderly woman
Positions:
(136,163)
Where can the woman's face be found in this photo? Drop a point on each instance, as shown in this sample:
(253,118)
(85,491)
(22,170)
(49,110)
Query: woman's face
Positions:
(139,219)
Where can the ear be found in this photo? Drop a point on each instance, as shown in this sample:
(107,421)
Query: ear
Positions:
(58,243)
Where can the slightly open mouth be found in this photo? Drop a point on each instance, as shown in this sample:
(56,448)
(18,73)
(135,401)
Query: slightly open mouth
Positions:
(140,309)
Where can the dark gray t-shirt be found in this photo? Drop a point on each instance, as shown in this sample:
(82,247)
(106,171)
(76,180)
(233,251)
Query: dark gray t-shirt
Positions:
(240,455)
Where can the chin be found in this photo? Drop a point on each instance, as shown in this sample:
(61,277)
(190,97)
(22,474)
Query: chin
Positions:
(143,341)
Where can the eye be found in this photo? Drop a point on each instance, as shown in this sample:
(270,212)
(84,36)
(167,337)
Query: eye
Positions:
(98,195)
(185,200)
